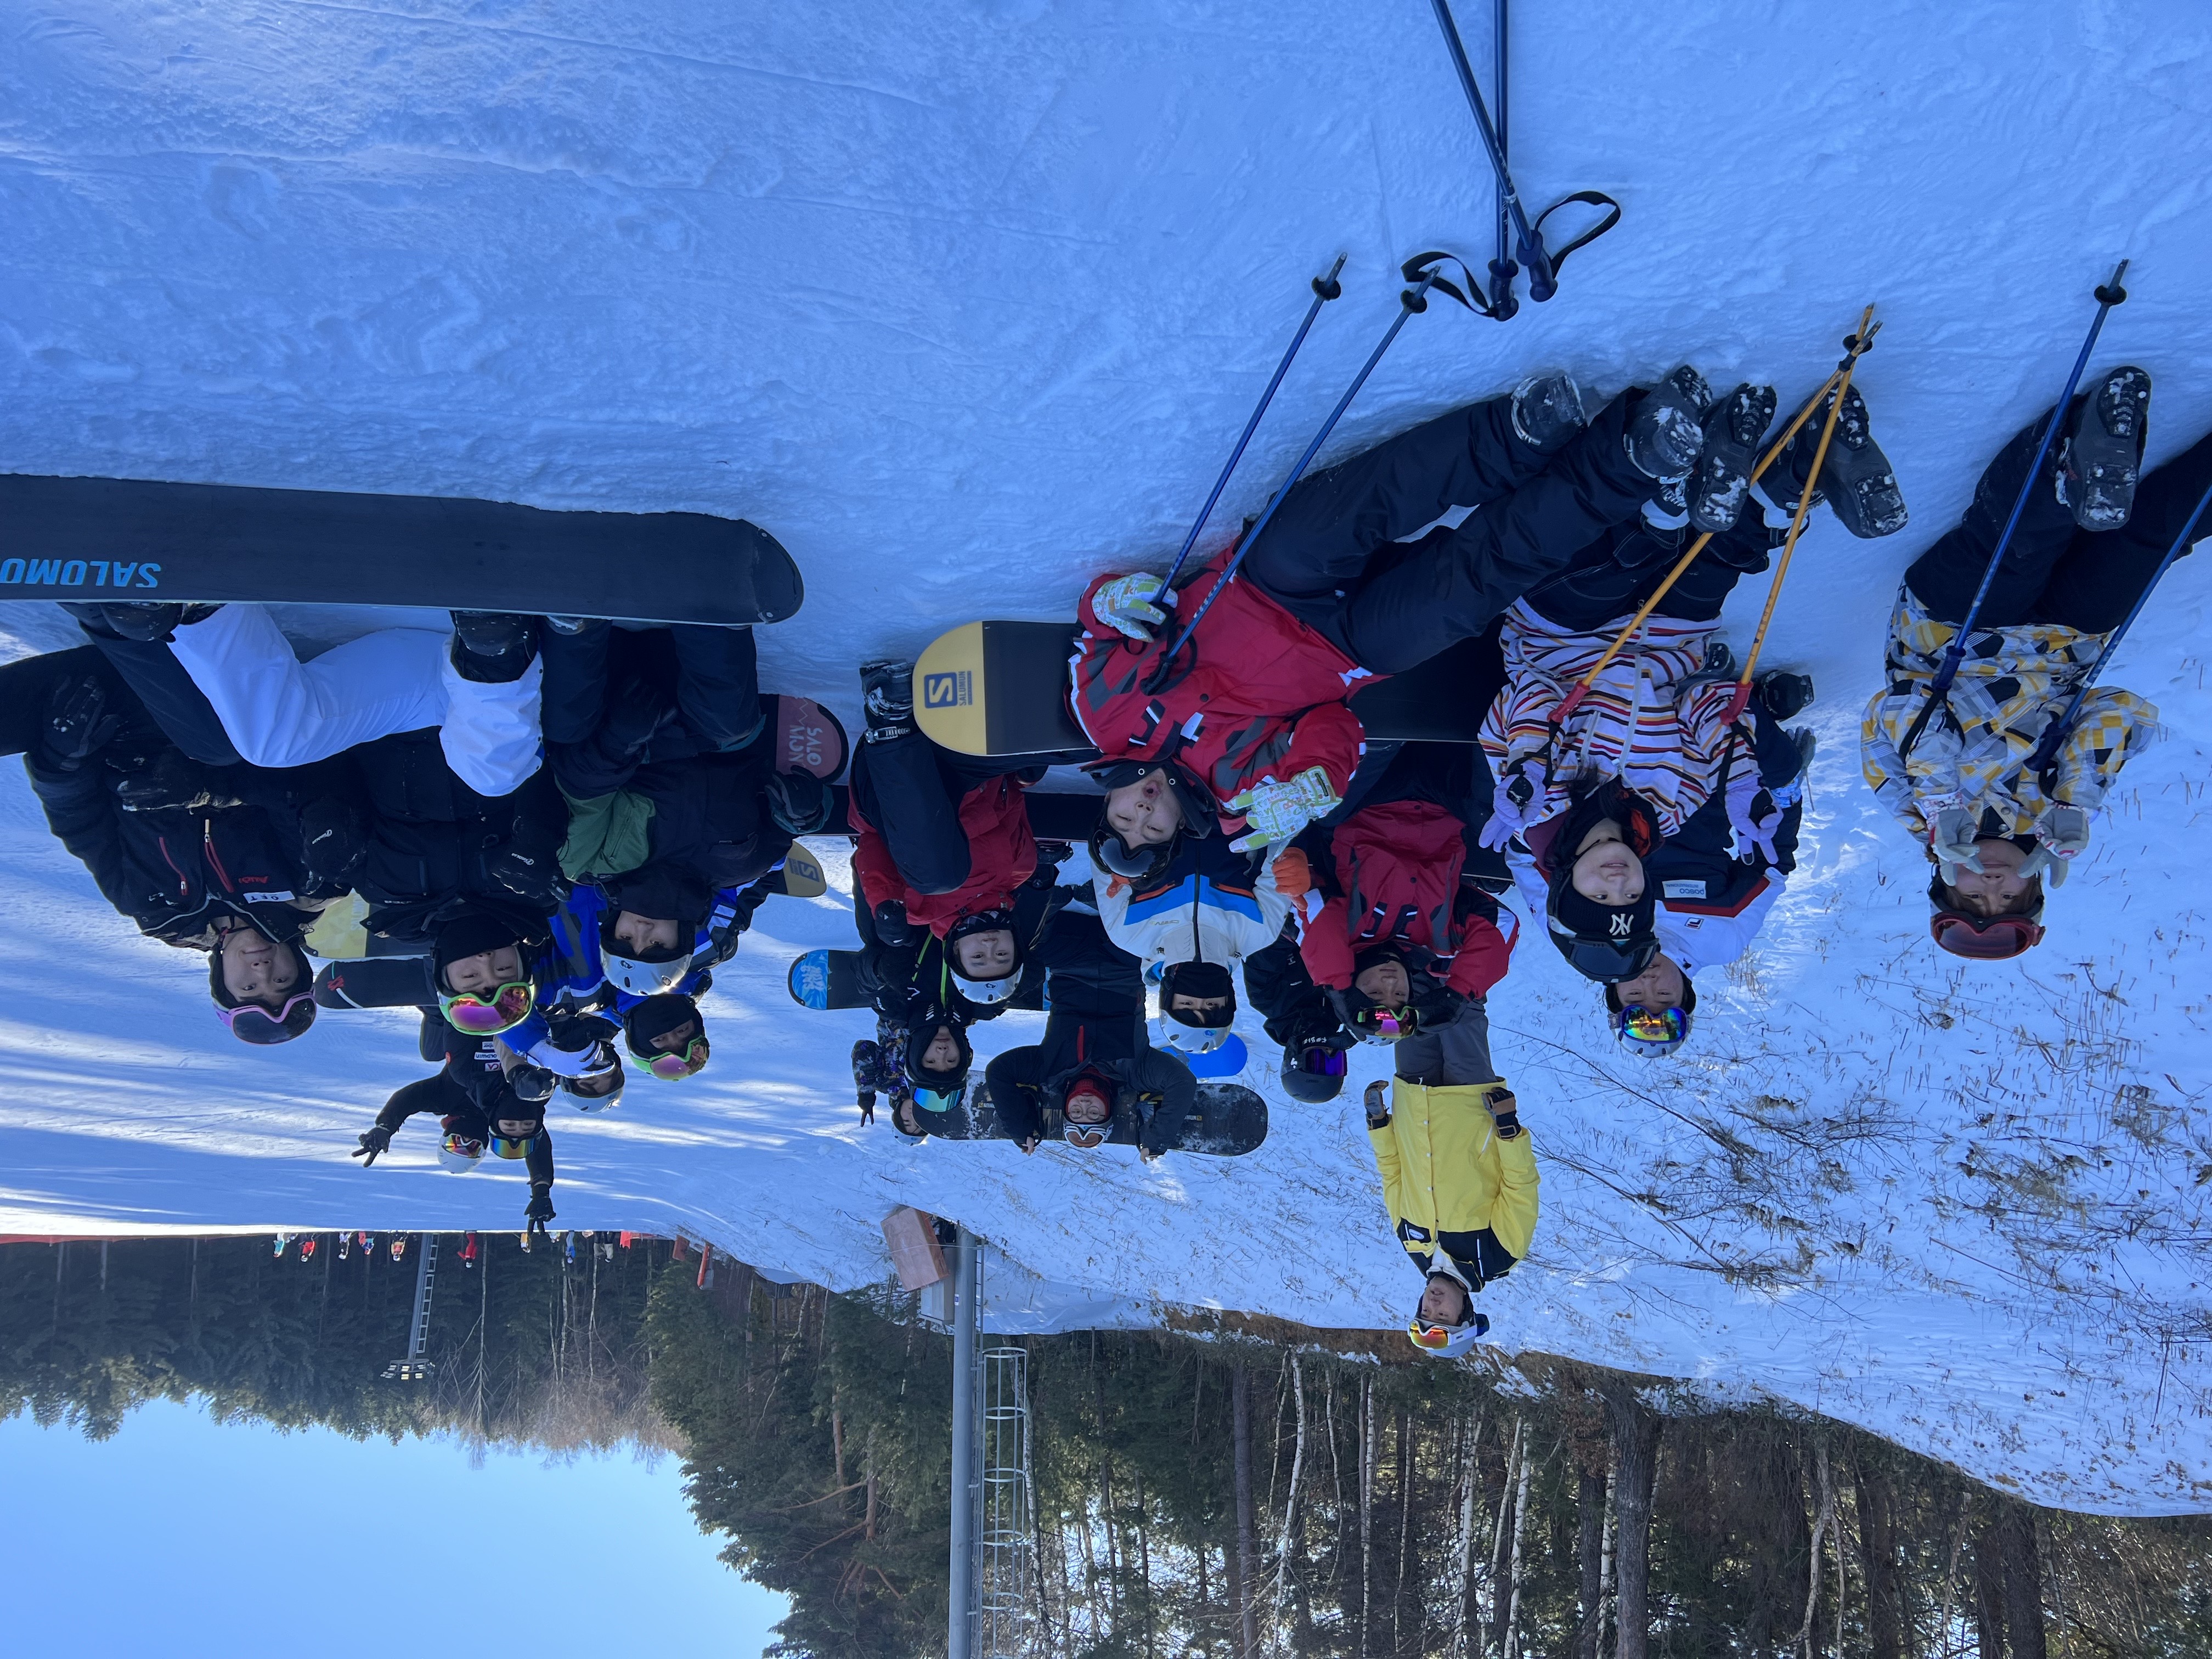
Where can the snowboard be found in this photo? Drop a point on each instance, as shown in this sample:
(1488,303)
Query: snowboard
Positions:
(827,978)
(1000,688)
(1229,1120)
(132,539)
(376,982)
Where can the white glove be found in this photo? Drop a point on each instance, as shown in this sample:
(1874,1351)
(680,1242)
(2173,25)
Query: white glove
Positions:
(1508,804)
(1952,838)
(2062,833)
(1753,815)
(1125,605)
(1275,811)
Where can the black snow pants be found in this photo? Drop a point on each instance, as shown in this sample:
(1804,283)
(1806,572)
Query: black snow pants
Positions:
(1614,576)
(2054,571)
(1331,556)
(152,672)
(709,675)
(911,790)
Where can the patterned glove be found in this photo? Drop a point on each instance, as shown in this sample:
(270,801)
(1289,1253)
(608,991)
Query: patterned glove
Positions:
(1509,807)
(1125,605)
(1275,811)
(1753,815)
(1952,838)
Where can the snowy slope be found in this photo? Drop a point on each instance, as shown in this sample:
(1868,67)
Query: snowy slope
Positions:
(965,303)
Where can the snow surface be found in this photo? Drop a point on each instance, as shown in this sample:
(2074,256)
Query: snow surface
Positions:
(965,303)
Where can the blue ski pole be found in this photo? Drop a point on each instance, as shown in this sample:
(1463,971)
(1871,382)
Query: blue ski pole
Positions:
(1530,251)
(1325,289)
(2110,294)
(2045,757)
(1411,301)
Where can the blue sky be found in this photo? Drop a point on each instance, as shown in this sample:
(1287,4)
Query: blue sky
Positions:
(182,1538)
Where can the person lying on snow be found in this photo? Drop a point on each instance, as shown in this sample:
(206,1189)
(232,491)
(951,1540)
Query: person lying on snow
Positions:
(487,1100)
(227,860)
(1394,928)
(1458,1175)
(1581,802)
(944,844)
(477,686)
(1250,723)
(2088,543)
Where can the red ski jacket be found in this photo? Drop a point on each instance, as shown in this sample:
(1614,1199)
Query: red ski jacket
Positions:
(1002,854)
(1264,698)
(1399,866)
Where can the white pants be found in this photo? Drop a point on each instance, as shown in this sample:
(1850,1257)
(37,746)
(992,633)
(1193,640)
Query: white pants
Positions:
(279,711)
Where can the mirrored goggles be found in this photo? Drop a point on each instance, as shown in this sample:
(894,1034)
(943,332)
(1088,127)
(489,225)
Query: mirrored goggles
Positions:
(251,1023)
(1086,1135)
(1387,1024)
(940,1100)
(510,1145)
(487,1013)
(676,1065)
(1435,1338)
(1321,1060)
(466,1145)
(1657,1026)
(1986,939)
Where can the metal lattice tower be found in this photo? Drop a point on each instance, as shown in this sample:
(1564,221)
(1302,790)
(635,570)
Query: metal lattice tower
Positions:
(1002,1518)
(415,1368)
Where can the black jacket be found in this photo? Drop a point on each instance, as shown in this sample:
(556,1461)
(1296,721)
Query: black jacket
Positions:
(1153,1090)
(470,1095)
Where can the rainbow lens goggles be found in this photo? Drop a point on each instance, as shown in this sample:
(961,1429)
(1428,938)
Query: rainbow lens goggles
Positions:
(487,1013)
(1652,1028)
(676,1065)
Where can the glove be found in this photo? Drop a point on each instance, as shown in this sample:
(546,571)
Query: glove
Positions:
(1151,1155)
(2062,833)
(1378,1104)
(800,802)
(374,1143)
(172,780)
(1753,814)
(533,878)
(77,724)
(540,1210)
(1516,793)
(1952,838)
(1125,605)
(892,927)
(332,840)
(531,1083)
(1505,1111)
(1275,811)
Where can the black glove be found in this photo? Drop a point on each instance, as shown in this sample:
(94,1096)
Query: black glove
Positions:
(1505,1111)
(634,714)
(532,1083)
(891,926)
(78,724)
(173,779)
(534,878)
(376,1140)
(540,1210)
(800,802)
(330,836)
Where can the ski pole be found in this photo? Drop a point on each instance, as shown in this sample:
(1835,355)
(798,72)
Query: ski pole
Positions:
(1742,699)
(1573,699)
(2045,757)
(1502,301)
(1325,289)
(2110,294)
(1410,301)
(1541,283)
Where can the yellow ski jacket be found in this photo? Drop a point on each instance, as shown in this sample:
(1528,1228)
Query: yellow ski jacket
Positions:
(1450,1183)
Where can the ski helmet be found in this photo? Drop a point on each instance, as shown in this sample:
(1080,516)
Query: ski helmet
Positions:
(944,1085)
(1148,860)
(903,1102)
(1453,1340)
(1196,1031)
(596,1091)
(1088,1083)
(250,1022)
(1985,939)
(658,892)
(659,1016)
(984,991)
(461,1147)
(1313,1070)
(1652,1033)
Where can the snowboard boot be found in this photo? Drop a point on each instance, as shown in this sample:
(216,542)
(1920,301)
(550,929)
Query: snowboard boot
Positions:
(1668,429)
(568,627)
(887,699)
(1669,506)
(1719,665)
(493,648)
(1857,480)
(2102,457)
(146,623)
(1783,695)
(1547,411)
(1722,482)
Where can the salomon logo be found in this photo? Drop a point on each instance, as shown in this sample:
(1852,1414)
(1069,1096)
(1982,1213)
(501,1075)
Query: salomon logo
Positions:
(77,572)
(954,690)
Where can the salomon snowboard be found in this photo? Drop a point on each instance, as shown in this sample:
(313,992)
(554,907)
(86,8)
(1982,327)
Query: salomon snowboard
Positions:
(1229,1120)
(130,539)
(827,978)
(1000,688)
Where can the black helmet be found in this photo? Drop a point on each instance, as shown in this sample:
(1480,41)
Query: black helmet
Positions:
(1111,854)
(1313,1069)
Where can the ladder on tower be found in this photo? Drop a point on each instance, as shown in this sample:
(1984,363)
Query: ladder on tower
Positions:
(415,1368)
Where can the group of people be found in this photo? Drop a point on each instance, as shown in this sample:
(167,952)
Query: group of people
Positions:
(564,824)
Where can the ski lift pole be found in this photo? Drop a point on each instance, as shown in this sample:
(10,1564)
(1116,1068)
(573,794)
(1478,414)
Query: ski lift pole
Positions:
(1573,699)
(1411,302)
(2045,757)
(2110,294)
(1542,285)
(1325,289)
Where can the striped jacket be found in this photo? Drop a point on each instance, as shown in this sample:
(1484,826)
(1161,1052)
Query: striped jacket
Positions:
(1973,753)
(1669,745)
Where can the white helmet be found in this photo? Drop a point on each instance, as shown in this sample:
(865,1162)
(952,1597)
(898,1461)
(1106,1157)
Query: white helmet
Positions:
(642,978)
(459,1152)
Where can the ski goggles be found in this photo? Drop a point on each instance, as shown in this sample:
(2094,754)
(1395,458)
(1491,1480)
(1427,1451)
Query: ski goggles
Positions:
(940,1100)
(1986,939)
(251,1023)
(511,1146)
(1321,1060)
(1384,1025)
(1086,1135)
(487,1013)
(465,1146)
(1432,1338)
(1652,1028)
(676,1065)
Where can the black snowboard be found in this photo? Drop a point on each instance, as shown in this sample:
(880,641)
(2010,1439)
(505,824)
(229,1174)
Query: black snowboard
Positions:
(827,978)
(375,982)
(126,539)
(1000,688)
(1231,1120)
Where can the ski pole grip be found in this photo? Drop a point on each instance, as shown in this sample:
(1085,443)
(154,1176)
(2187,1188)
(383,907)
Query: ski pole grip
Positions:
(1542,284)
